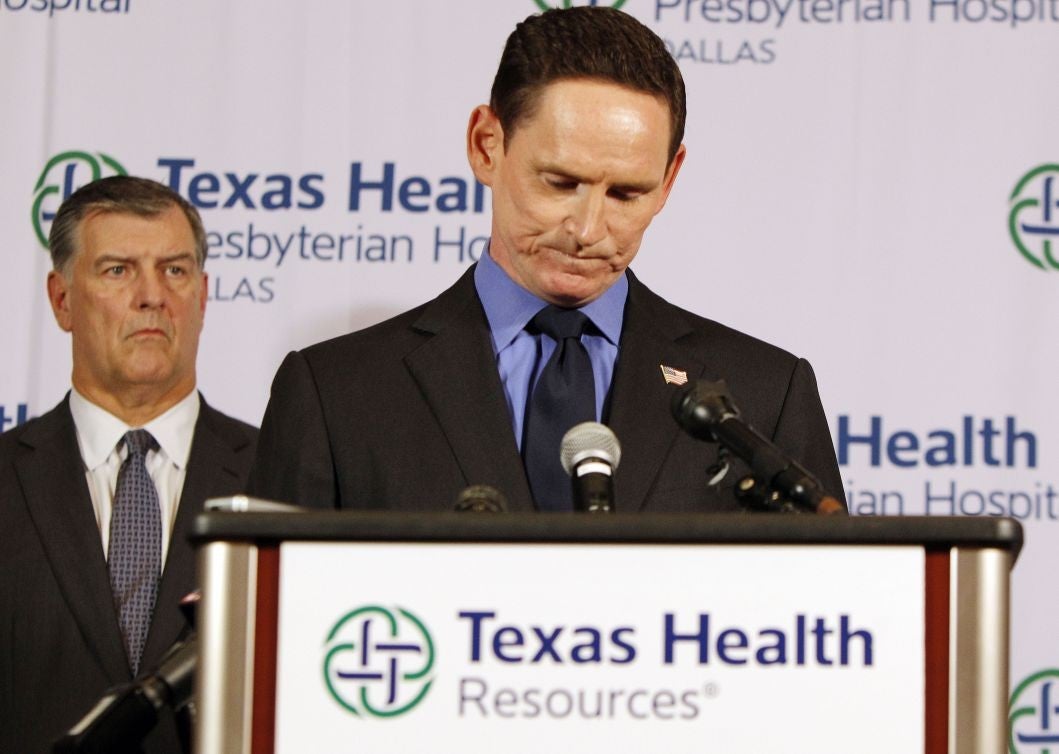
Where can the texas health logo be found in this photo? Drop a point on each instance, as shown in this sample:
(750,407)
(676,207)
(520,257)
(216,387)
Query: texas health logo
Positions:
(378,661)
(62,175)
(1033,715)
(570,3)
(1033,218)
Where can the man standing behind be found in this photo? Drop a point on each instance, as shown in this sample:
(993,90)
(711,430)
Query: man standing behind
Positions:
(580,144)
(98,494)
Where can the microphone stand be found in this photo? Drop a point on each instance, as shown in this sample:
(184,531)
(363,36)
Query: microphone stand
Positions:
(126,714)
(754,495)
(705,410)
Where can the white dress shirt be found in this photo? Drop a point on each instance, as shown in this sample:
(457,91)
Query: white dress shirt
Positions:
(98,436)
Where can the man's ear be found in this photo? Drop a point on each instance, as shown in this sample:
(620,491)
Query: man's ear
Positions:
(59,296)
(485,143)
(671,176)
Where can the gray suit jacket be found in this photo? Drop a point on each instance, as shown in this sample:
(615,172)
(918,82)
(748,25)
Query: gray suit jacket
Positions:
(60,645)
(405,414)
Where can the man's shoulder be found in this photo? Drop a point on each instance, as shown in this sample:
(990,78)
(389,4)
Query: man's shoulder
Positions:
(697,331)
(37,431)
(391,335)
(399,334)
(222,451)
(235,432)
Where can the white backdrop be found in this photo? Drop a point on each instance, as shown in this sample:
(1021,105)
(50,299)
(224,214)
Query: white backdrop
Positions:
(852,193)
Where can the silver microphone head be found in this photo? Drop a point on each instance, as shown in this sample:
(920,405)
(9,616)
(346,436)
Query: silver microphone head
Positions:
(589,440)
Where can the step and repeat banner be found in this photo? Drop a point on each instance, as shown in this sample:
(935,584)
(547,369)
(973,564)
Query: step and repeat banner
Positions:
(871,184)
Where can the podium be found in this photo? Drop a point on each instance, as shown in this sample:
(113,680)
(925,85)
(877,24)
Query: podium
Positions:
(349,632)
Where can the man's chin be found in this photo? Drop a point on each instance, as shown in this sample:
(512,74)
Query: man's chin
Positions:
(572,291)
(148,369)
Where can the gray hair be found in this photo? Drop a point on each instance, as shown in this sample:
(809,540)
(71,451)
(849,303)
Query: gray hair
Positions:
(119,193)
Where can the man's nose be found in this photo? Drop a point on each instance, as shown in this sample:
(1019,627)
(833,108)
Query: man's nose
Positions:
(150,289)
(588,222)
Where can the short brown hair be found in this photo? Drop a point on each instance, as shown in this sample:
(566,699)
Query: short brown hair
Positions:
(119,193)
(585,42)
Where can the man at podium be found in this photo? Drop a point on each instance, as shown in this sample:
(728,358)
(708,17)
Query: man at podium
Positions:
(580,144)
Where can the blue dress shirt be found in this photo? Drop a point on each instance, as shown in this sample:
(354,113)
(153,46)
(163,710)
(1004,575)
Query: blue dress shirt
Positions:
(520,356)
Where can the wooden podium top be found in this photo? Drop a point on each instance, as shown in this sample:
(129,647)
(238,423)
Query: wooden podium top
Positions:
(932,532)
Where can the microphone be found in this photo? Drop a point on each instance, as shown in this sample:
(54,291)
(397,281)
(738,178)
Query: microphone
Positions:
(121,719)
(245,504)
(481,498)
(590,454)
(706,412)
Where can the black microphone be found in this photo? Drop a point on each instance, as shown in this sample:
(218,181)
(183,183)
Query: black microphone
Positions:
(121,719)
(590,454)
(705,411)
(481,498)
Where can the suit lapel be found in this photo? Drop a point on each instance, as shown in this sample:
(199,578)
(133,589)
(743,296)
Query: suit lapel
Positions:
(212,469)
(52,476)
(640,397)
(470,406)
(469,403)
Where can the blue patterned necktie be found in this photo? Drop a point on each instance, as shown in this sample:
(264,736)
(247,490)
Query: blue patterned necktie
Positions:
(565,395)
(135,552)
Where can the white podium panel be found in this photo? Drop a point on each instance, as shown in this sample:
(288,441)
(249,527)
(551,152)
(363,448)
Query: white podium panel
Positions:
(533,647)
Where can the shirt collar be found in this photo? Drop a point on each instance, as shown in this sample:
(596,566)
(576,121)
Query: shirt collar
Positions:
(509,307)
(99,431)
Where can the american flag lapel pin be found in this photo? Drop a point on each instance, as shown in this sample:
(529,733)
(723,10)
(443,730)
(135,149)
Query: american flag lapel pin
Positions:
(674,376)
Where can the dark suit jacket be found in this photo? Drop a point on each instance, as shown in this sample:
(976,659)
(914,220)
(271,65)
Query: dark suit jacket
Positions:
(60,645)
(405,414)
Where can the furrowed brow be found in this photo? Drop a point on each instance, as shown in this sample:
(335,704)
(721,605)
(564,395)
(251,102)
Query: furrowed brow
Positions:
(183,256)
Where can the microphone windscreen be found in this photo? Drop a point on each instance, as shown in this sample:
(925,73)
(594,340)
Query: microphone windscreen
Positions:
(589,440)
(481,498)
(702,405)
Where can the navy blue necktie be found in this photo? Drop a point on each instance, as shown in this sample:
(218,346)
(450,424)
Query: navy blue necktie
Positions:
(135,551)
(565,395)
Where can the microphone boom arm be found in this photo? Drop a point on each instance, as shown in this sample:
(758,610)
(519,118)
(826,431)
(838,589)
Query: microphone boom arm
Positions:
(705,411)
